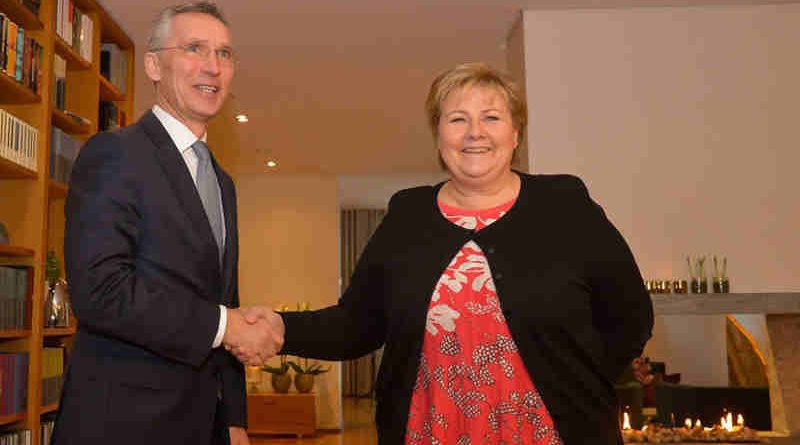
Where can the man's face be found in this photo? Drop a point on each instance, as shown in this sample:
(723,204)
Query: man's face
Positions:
(190,85)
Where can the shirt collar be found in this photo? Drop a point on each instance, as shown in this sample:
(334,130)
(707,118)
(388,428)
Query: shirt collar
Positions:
(178,132)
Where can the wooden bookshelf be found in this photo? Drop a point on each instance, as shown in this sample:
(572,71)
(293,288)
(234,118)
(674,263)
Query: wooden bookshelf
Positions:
(109,92)
(74,60)
(21,15)
(56,190)
(59,332)
(13,92)
(49,408)
(32,203)
(14,334)
(11,170)
(69,124)
(6,420)
(7,250)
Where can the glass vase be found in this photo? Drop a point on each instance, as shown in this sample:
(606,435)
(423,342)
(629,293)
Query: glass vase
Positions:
(56,305)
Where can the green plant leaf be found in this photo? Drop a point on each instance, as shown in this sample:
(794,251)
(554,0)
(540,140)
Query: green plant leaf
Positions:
(283,369)
(296,367)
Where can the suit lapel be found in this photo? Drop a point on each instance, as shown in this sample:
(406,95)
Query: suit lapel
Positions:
(181,180)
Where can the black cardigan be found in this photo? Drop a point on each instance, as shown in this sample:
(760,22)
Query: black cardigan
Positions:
(554,247)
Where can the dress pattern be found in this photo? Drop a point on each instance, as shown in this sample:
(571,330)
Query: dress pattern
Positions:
(472,387)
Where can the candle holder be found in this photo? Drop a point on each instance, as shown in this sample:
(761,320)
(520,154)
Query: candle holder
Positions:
(721,285)
(680,286)
(720,281)
(699,284)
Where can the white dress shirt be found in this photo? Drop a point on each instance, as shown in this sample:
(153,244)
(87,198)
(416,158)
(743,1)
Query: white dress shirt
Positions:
(183,139)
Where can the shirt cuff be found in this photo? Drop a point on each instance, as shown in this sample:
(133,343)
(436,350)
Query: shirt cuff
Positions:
(223,323)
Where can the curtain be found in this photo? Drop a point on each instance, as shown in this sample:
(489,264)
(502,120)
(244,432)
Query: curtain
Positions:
(357,226)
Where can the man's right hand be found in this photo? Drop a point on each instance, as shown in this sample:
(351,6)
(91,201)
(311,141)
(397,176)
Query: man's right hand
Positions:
(255,340)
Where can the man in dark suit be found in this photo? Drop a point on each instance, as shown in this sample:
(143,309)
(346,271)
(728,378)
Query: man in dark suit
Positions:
(151,252)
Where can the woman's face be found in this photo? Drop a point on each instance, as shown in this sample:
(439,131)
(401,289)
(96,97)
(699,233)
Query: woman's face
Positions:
(476,135)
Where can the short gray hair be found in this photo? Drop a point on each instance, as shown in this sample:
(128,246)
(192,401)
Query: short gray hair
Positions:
(160,29)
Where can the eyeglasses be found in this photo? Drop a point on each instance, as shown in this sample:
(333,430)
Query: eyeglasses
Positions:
(200,51)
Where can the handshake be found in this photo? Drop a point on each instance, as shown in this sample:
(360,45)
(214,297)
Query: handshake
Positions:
(254,334)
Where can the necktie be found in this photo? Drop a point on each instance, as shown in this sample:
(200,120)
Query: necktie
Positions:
(208,189)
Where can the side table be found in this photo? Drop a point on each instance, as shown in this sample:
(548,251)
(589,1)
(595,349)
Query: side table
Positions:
(276,413)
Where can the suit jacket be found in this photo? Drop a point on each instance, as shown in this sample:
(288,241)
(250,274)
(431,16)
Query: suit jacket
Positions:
(145,282)
(568,285)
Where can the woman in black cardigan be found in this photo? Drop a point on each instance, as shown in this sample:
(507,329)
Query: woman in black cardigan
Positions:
(498,327)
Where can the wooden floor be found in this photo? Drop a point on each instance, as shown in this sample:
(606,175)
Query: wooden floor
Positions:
(359,428)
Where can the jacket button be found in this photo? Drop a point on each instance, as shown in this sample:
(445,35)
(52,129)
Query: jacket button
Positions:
(490,251)
(498,276)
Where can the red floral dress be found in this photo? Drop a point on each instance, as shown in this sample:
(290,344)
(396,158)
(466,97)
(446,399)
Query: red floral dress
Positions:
(472,387)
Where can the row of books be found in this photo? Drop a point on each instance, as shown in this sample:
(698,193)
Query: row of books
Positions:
(19,141)
(75,27)
(47,424)
(114,65)
(20,55)
(63,151)
(111,116)
(13,297)
(13,383)
(52,374)
(18,437)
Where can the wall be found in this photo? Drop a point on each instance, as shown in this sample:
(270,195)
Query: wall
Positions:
(289,253)
(374,191)
(515,61)
(681,122)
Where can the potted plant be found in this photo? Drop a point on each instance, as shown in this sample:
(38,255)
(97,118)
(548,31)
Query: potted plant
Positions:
(281,380)
(304,375)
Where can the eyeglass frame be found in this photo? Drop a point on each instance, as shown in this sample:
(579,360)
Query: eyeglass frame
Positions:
(204,54)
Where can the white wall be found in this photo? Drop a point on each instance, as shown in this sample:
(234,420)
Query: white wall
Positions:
(374,191)
(289,253)
(682,122)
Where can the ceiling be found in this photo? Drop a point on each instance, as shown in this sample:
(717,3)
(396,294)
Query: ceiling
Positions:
(338,86)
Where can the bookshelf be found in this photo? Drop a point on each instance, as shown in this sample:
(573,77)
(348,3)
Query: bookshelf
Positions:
(31,202)
(10,170)
(70,126)
(12,92)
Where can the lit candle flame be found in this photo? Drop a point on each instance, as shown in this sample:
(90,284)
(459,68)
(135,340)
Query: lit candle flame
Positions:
(698,424)
(688,423)
(740,420)
(727,422)
(626,421)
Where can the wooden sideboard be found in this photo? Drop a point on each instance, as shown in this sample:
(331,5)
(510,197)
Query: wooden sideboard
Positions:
(274,413)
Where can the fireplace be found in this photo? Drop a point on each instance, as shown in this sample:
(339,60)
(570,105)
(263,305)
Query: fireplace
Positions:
(774,411)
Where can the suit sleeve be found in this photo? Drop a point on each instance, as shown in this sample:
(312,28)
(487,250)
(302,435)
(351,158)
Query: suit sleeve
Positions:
(356,325)
(109,294)
(622,311)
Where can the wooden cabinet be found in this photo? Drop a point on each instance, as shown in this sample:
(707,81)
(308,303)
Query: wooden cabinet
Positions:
(32,205)
(273,413)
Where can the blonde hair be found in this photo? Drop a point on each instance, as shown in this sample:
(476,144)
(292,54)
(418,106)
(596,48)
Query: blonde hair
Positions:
(476,74)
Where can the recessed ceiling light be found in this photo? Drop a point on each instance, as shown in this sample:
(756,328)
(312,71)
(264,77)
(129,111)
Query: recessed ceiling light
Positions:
(272,164)
(241,118)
